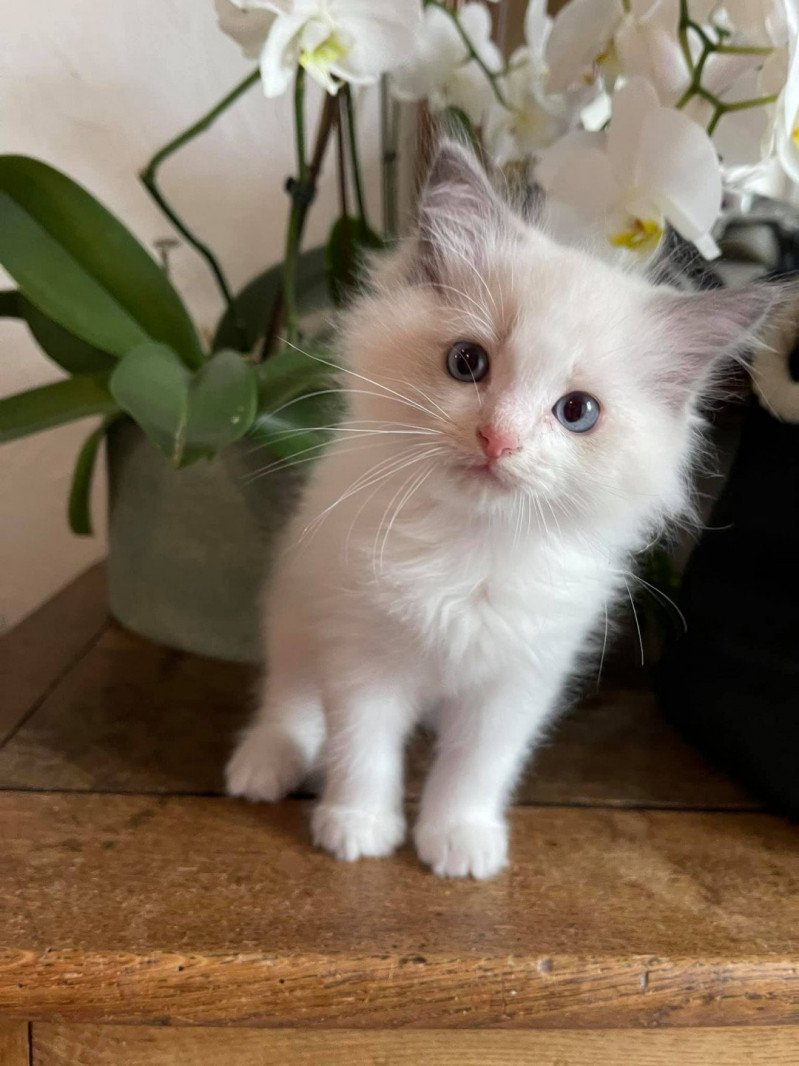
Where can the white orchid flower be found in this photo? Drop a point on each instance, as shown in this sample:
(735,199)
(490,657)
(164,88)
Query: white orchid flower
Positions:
(334,40)
(441,69)
(636,38)
(537,28)
(786,111)
(747,139)
(742,138)
(646,44)
(530,118)
(653,166)
(754,18)
(579,40)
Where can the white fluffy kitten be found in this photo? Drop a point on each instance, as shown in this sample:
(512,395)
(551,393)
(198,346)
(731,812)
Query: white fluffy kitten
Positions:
(521,419)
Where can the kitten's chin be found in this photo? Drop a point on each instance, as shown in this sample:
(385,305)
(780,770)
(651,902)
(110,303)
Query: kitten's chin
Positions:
(486,477)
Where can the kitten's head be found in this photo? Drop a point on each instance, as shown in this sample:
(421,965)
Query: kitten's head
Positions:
(534,369)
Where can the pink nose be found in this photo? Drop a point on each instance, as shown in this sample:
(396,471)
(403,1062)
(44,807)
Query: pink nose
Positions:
(495,444)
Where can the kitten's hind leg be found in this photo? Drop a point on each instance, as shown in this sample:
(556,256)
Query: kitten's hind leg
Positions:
(283,743)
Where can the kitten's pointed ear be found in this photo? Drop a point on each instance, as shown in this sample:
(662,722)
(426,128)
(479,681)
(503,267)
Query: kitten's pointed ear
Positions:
(698,331)
(459,209)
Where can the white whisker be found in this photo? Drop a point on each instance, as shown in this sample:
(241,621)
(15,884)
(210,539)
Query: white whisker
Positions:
(368,380)
(365,482)
(637,624)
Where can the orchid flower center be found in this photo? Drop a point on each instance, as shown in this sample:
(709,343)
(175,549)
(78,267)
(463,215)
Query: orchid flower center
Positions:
(642,235)
(320,59)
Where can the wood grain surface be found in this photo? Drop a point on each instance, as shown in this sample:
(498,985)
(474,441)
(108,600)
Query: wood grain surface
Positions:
(42,647)
(155,909)
(56,1045)
(14,1045)
(132,717)
(644,891)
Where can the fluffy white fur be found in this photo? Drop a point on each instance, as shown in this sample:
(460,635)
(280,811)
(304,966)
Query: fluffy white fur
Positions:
(415,583)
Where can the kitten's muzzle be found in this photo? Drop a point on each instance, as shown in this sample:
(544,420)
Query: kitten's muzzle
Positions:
(496,443)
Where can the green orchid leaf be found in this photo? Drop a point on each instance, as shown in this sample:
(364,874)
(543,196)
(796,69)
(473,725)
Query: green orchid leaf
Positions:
(63,347)
(253,304)
(53,405)
(10,304)
(79,507)
(82,268)
(298,401)
(152,384)
(223,399)
(299,432)
(348,245)
(292,372)
(188,417)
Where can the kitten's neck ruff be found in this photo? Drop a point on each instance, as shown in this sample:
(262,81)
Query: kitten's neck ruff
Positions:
(442,530)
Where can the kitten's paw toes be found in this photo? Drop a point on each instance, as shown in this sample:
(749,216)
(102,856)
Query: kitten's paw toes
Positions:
(350,834)
(266,765)
(465,849)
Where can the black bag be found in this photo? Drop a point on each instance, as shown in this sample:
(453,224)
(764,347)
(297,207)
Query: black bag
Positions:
(731,682)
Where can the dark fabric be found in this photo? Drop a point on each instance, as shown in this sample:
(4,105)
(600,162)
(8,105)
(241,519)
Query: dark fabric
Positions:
(731,683)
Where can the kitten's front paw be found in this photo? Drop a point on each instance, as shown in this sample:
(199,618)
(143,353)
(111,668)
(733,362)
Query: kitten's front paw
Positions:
(350,834)
(266,765)
(465,849)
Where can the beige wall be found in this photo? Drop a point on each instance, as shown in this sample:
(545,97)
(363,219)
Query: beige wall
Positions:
(95,87)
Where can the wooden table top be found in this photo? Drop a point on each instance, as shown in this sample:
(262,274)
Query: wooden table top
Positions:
(646,889)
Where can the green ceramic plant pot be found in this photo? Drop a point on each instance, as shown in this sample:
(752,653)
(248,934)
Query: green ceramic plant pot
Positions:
(190,549)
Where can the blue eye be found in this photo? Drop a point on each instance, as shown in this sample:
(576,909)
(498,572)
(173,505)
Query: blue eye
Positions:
(467,361)
(577,411)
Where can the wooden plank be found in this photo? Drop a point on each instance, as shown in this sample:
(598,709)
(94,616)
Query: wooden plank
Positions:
(35,654)
(14,1044)
(192,910)
(132,717)
(61,1045)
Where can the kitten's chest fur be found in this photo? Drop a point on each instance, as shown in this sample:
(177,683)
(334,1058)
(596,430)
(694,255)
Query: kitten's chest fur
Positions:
(476,600)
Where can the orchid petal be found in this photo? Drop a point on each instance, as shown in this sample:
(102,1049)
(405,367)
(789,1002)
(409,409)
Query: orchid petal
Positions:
(743,138)
(790,94)
(721,72)
(576,171)
(678,163)
(650,51)
(632,106)
(750,17)
(280,55)
(376,45)
(438,50)
(476,23)
(469,90)
(581,32)
(537,27)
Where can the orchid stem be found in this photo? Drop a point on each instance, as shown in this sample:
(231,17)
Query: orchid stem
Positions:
(388,159)
(470,48)
(696,70)
(297,190)
(302,195)
(354,157)
(149,178)
(683,35)
(742,50)
(723,108)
